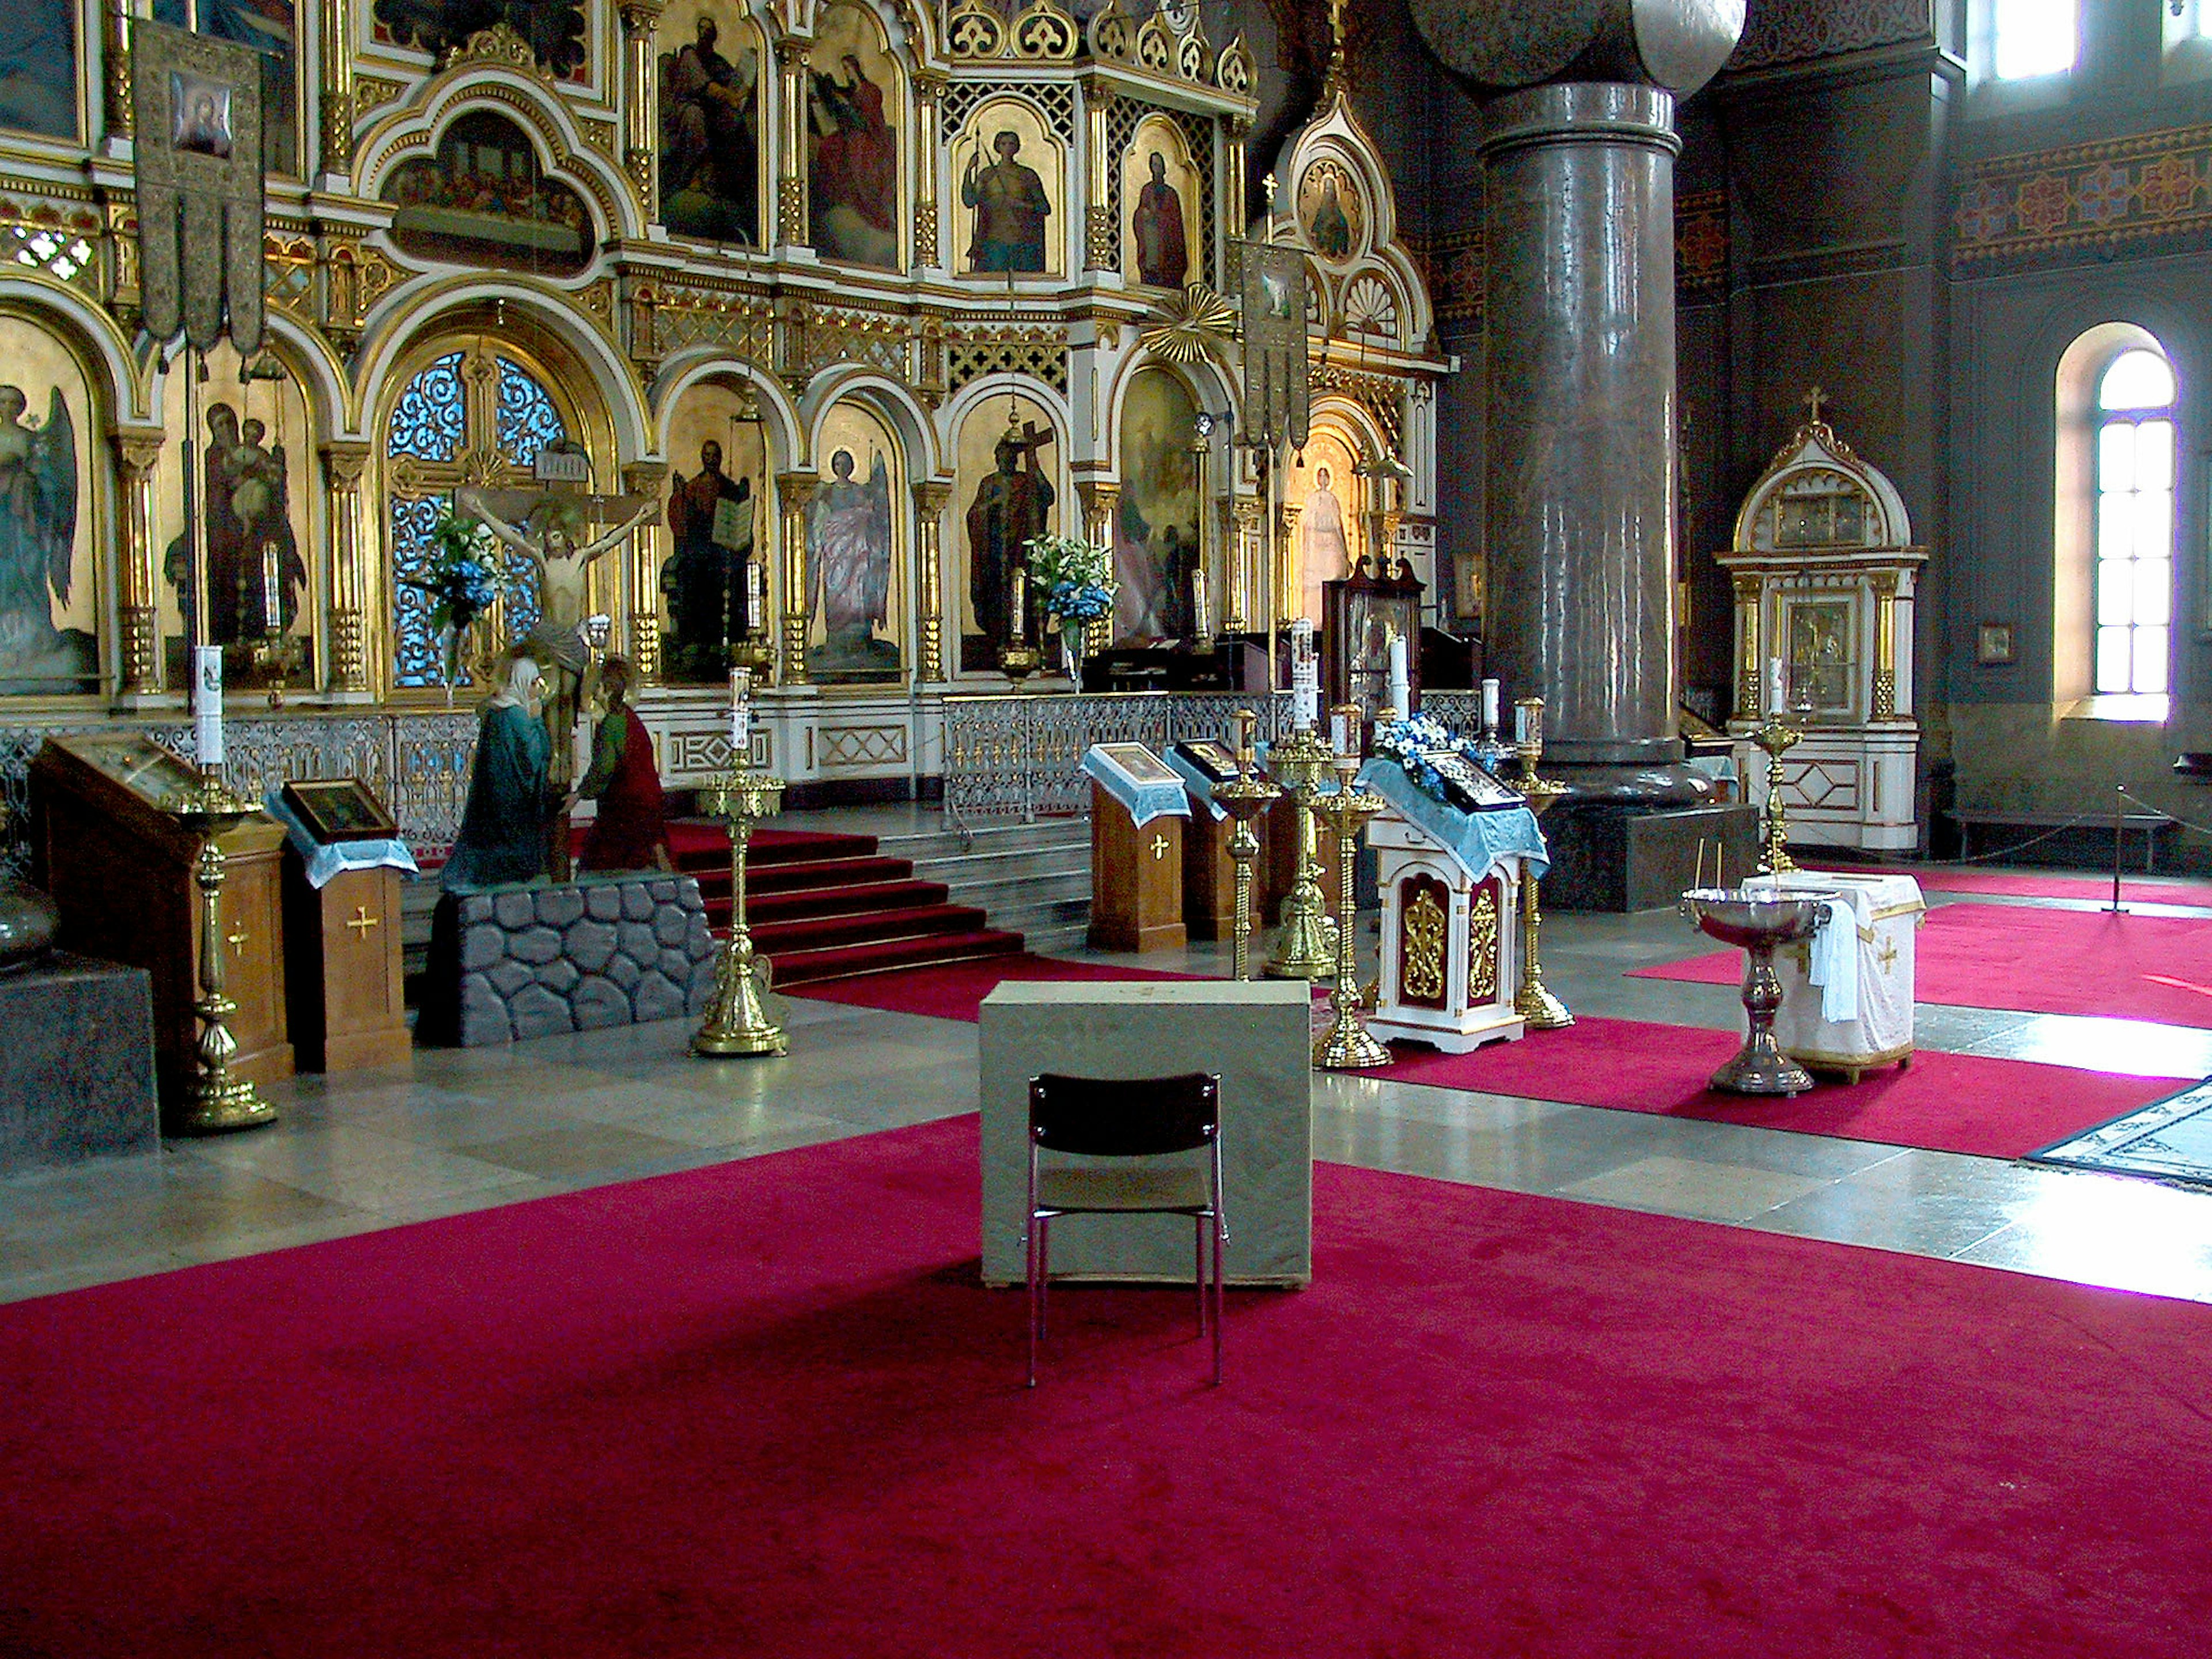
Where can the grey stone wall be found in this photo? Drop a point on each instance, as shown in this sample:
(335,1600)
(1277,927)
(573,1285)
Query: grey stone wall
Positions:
(536,960)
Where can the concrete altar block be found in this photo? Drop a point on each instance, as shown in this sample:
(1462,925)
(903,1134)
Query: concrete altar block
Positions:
(1254,1034)
(79,1080)
(530,961)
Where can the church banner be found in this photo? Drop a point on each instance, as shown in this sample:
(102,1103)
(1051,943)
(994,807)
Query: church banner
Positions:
(196,103)
(1275,396)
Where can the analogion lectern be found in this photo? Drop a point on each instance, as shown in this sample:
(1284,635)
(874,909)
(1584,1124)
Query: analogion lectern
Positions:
(1209,873)
(342,871)
(1137,807)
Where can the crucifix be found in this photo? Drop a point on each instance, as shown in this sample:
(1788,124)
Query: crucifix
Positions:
(1814,399)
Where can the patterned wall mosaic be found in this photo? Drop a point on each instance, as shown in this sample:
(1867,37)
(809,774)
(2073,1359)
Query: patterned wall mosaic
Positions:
(2055,206)
(1792,31)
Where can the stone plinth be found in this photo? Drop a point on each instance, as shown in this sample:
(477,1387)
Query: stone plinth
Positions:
(538,961)
(79,1080)
(1623,859)
(1256,1035)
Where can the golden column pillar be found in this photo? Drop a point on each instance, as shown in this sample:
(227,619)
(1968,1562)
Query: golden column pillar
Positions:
(641,101)
(1289,588)
(139,666)
(1750,682)
(1102,237)
(1101,501)
(1885,647)
(928,93)
(343,466)
(115,52)
(335,58)
(1233,212)
(1244,602)
(646,549)
(791,181)
(930,501)
(794,493)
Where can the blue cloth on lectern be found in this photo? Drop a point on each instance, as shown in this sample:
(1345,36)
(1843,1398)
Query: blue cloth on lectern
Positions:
(1145,801)
(1478,841)
(1201,787)
(325,863)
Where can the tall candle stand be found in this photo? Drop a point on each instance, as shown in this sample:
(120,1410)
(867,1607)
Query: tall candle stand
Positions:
(215,1103)
(736,1022)
(1777,739)
(1349,1046)
(1538,1009)
(1305,944)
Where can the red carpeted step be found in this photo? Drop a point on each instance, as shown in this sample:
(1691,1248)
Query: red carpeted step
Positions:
(697,847)
(779,939)
(817,872)
(762,908)
(809,967)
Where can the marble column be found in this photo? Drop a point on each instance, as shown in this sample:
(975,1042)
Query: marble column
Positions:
(138,454)
(343,466)
(794,493)
(1579,474)
(647,550)
(931,498)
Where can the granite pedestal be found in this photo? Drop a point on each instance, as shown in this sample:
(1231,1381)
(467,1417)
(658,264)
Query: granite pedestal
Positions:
(1625,858)
(79,1080)
(534,961)
(1255,1034)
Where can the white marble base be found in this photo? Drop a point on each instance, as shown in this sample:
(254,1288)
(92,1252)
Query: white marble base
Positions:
(1255,1034)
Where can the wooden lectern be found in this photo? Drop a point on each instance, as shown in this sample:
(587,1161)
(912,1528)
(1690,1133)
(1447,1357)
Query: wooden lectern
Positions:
(1209,874)
(1136,878)
(120,869)
(343,964)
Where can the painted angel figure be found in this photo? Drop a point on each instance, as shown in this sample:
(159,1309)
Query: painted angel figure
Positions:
(38,538)
(849,541)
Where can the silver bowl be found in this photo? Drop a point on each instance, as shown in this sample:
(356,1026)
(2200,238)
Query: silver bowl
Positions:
(1756,920)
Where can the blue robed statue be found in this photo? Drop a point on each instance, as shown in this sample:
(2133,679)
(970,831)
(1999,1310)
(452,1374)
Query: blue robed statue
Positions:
(504,826)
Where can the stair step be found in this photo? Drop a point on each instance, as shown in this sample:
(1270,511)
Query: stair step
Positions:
(779,939)
(762,909)
(809,874)
(843,962)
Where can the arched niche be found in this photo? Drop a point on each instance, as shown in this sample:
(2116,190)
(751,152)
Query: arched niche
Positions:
(717,591)
(1334,217)
(1158,523)
(712,121)
(1161,190)
(483,197)
(1325,487)
(1010,178)
(858,525)
(1009,483)
(855,113)
(54,509)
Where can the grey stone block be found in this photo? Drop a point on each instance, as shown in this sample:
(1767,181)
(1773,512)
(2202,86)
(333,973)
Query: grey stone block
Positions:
(599,1002)
(79,1080)
(603,903)
(559,906)
(481,946)
(506,978)
(514,909)
(636,903)
(698,938)
(590,945)
(657,998)
(624,972)
(534,945)
(538,1012)
(664,891)
(675,967)
(483,1015)
(669,926)
(560,977)
(635,940)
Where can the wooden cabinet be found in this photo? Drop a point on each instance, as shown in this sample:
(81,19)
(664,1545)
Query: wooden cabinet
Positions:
(343,966)
(120,868)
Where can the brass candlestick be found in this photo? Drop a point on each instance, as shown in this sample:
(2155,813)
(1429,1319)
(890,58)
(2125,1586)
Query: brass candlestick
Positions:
(281,656)
(1244,800)
(737,1022)
(1538,1009)
(215,1103)
(1305,944)
(1777,740)
(1349,1046)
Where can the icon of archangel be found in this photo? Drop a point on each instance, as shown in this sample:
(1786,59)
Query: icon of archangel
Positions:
(38,542)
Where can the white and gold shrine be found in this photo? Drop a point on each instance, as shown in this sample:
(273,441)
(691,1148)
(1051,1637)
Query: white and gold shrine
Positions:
(1450,958)
(1825,568)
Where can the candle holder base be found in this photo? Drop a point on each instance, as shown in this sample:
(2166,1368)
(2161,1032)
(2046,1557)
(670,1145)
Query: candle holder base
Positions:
(221,1107)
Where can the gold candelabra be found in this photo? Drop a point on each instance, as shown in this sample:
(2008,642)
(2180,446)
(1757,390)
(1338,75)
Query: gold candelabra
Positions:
(214,1102)
(280,656)
(1305,944)
(1538,1009)
(737,1022)
(1777,740)
(1244,799)
(1349,1046)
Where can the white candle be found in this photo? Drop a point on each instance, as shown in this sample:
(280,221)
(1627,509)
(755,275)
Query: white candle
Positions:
(1021,603)
(207,704)
(1520,722)
(1778,698)
(1401,688)
(1340,732)
(1489,705)
(756,592)
(741,714)
(272,597)
(1305,693)
(1198,601)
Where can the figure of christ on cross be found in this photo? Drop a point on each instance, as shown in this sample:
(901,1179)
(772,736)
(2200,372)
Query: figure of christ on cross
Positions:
(549,527)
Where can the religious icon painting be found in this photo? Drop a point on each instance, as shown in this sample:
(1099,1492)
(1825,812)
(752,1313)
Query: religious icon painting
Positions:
(710,121)
(1156,524)
(1160,189)
(38,68)
(1006,488)
(267,26)
(856,537)
(853,112)
(1011,173)
(1323,482)
(481,199)
(255,481)
(714,588)
(1332,212)
(49,604)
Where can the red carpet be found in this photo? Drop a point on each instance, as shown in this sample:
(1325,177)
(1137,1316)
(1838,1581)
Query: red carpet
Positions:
(956,991)
(2040,962)
(2023,884)
(1943,1102)
(765,1410)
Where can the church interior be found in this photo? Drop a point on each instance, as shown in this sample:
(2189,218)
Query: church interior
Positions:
(715,714)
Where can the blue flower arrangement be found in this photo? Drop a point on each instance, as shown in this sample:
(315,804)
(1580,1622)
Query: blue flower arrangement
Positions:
(1411,742)
(461,575)
(1073,577)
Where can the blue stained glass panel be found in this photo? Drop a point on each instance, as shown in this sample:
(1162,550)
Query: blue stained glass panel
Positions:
(415,648)
(522,612)
(527,420)
(428,422)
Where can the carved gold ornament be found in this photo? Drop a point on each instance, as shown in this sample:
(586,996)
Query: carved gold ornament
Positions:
(1423,978)
(1191,325)
(1482,949)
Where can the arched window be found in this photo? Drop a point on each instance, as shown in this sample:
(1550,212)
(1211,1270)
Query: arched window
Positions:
(2134,528)
(472,415)
(2031,37)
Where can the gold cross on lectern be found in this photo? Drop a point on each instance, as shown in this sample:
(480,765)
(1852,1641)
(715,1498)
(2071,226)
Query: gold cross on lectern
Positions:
(237,942)
(1159,847)
(362,921)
